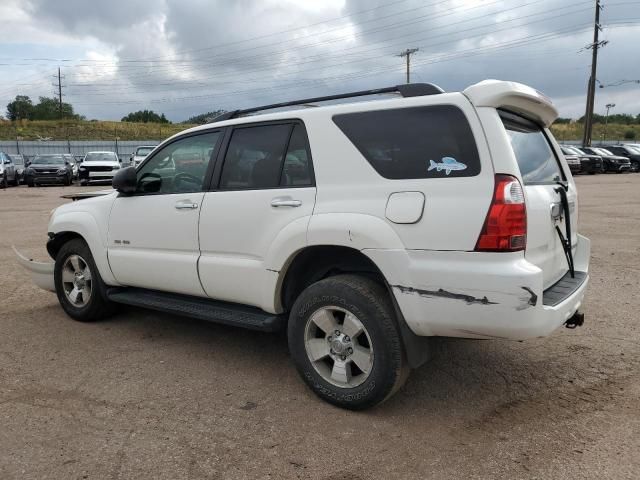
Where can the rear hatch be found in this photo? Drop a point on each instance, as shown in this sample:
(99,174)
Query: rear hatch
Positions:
(543,176)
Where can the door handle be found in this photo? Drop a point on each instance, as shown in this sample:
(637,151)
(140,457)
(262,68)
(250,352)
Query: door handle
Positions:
(186,205)
(285,202)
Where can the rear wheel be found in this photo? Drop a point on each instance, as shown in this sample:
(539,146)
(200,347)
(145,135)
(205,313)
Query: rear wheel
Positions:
(16,180)
(345,343)
(3,182)
(79,287)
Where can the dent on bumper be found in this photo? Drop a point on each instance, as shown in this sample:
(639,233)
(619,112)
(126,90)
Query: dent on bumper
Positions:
(41,272)
(463,294)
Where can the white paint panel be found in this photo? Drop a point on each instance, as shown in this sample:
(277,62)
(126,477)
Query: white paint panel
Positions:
(162,250)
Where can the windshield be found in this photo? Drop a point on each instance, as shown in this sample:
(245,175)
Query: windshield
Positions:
(574,150)
(143,151)
(100,157)
(17,159)
(602,151)
(48,160)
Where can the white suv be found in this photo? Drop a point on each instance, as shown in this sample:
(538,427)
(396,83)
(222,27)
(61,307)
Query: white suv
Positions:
(365,229)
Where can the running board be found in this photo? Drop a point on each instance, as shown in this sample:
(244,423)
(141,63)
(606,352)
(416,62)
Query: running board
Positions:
(201,308)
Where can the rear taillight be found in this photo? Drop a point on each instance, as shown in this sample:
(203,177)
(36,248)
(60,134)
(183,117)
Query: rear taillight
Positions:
(505,228)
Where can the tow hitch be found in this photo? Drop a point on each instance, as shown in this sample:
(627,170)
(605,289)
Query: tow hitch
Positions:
(577,320)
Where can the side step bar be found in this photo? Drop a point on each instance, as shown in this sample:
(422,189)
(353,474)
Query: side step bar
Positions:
(201,308)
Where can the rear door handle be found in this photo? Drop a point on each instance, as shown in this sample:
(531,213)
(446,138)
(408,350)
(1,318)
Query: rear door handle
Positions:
(285,202)
(186,205)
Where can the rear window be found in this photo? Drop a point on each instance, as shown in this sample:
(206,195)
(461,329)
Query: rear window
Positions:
(421,142)
(536,160)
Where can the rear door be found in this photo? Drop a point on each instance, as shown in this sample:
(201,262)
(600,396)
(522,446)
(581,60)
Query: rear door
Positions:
(542,173)
(264,189)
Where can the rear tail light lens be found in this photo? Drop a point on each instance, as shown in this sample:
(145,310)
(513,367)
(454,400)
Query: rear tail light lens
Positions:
(505,228)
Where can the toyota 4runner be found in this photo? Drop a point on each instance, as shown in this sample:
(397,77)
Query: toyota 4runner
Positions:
(364,229)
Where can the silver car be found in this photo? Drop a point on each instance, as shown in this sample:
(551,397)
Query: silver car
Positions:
(18,161)
(8,172)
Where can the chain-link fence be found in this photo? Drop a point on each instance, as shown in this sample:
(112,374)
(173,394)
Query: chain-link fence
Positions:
(78,148)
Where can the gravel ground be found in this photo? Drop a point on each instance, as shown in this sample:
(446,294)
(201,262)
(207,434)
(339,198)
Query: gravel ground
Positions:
(146,395)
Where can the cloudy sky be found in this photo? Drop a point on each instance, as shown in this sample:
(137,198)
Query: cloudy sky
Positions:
(184,57)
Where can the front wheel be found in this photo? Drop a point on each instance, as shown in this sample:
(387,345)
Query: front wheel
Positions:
(635,166)
(79,287)
(345,343)
(3,182)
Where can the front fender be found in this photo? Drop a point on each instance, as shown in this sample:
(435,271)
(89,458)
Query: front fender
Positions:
(85,225)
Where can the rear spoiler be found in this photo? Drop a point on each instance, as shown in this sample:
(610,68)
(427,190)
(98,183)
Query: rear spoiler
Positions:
(515,97)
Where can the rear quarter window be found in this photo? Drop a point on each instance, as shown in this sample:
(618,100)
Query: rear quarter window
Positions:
(417,142)
(536,160)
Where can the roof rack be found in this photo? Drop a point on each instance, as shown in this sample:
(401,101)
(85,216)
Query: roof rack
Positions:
(406,90)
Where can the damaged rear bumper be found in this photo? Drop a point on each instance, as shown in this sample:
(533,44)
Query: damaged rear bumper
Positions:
(472,295)
(41,272)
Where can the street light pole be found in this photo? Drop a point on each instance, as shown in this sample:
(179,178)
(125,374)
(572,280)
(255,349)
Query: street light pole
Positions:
(606,120)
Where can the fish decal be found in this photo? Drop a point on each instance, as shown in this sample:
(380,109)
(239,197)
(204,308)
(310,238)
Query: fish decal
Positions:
(448,165)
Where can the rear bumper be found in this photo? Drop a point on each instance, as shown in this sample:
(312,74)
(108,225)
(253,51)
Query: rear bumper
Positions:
(478,295)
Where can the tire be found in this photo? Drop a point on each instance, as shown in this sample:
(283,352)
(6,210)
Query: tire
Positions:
(91,303)
(16,180)
(635,167)
(67,181)
(377,346)
(4,183)
(83,183)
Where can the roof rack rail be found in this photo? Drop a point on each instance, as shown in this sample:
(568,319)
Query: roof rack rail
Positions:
(406,90)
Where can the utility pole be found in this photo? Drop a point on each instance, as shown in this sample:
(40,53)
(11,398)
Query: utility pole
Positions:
(59,86)
(591,91)
(407,53)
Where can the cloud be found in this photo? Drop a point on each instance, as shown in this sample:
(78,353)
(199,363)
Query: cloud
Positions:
(188,56)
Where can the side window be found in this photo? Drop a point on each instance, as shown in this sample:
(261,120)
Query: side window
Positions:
(254,157)
(536,160)
(296,171)
(419,142)
(180,167)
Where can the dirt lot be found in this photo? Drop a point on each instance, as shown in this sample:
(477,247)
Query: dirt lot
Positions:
(145,395)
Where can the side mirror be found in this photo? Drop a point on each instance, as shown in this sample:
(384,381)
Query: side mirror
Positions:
(125,181)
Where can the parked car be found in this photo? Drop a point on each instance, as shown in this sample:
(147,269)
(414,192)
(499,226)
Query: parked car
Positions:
(19,162)
(573,159)
(8,171)
(395,220)
(49,169)
(74,164)
(140,154)
(632,153)
(611,162)
(590,164)
(98,167)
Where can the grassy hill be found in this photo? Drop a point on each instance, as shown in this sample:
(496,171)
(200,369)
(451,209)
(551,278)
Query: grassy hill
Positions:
(83,130)
(97,130)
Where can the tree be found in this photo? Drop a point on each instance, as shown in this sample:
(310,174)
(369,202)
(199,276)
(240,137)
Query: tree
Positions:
(145,116)
(20,109)
(49,109)
(630,135)
(205,117)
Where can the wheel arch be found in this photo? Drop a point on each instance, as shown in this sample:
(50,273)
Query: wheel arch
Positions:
(316,262)
(66,226)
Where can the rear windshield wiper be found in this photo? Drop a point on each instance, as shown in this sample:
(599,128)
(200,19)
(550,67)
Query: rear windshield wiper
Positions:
(566,242)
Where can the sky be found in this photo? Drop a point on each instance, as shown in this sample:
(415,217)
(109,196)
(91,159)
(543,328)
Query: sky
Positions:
(185,57)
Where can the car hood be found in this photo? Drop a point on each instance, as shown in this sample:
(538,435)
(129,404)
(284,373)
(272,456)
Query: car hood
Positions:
(99,164)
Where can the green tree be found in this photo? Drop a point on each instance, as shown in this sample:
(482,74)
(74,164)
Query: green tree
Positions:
(49,109)
(20,109)
(630,135)
(145,116)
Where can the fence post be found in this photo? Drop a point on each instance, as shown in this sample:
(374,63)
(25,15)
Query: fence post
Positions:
(18,144)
